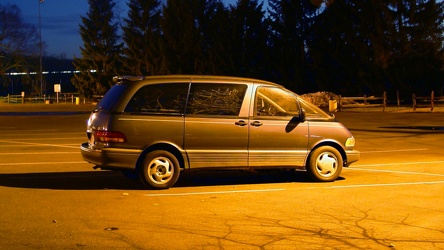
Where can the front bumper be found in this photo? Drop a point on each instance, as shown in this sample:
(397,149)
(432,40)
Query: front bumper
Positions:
(110,158)
(352,156)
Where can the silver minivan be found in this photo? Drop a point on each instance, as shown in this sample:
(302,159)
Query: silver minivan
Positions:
(155,127)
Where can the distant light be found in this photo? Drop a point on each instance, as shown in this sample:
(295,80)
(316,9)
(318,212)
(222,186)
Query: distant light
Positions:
(47,72)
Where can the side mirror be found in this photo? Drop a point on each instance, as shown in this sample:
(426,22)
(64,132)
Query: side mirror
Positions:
(302,115)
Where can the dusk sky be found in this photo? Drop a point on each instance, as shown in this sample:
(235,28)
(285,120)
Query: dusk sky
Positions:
(60,21)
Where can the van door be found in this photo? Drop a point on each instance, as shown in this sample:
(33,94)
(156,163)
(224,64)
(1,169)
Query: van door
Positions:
(278,137)
(215,133)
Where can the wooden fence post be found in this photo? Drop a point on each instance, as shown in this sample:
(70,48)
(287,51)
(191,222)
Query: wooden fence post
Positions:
(340,103)
(384,101)
(414,101)
(432,97)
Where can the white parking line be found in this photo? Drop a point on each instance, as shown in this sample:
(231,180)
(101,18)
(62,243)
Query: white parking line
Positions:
(389,184)
(220,192)
(39,144)
(52,132)
(14,129)
(39,153)
(396,171)
(43,163)
(283,189)
(391,151)
(77,146)
(43,138)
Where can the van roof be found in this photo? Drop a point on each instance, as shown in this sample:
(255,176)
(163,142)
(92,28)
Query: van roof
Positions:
(191,78)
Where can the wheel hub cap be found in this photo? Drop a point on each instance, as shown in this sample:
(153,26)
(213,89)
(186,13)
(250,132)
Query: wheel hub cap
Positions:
(326,165)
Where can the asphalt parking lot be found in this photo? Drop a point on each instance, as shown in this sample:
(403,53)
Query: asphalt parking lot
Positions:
(392,198)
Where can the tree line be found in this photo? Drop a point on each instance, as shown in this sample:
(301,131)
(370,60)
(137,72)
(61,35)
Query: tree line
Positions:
(347,47)
(343,46)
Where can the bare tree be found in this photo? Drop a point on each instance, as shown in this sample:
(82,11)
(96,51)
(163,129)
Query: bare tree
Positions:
(18,40)
(19,43)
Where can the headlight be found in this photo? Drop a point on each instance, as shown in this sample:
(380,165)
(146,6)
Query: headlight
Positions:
(350,142)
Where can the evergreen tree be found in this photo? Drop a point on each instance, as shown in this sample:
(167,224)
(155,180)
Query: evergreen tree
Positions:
(100,54)
(212,20)
(249,39)
(290,22)
(416,38)
(366,47)
(142,36)
(334,47)
(182,39)
(369,46)
(348,47)
(196,41)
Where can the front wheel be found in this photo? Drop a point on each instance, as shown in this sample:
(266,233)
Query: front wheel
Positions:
(325,164)
(160,170)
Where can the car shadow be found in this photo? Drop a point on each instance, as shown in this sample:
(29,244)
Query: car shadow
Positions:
(221,178)
(114,180)
(87,180)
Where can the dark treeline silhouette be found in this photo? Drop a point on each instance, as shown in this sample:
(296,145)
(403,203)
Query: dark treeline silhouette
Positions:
(347,47)
(343,46)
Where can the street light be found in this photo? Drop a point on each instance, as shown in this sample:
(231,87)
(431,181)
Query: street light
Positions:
(40,47)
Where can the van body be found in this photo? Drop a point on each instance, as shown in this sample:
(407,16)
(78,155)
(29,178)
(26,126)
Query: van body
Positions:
(154,127)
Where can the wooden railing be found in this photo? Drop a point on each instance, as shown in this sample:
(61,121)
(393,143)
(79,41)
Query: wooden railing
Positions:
(425,101)
(13,99)
(372,101)
(363,102)
(64,97)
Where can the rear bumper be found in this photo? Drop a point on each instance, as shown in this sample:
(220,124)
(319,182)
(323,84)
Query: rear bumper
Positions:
(352,156)
(110,159)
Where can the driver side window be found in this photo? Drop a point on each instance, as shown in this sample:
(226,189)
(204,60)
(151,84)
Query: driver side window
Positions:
(275,102)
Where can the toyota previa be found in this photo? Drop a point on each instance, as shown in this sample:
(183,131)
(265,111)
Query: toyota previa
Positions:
(155,127)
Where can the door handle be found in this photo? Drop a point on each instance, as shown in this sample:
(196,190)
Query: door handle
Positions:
(241,123)
(256,123)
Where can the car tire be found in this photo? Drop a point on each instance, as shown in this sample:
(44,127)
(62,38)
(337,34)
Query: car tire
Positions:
(325,164)
(160,170)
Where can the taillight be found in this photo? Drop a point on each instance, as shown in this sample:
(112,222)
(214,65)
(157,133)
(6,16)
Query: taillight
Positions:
(109,136)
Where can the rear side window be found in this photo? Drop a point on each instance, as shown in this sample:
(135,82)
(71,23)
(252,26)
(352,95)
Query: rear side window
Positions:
(168,98)
(216,99)
(112,96)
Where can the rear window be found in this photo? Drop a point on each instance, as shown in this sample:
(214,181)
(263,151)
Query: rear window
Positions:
(165,98)
(112,96)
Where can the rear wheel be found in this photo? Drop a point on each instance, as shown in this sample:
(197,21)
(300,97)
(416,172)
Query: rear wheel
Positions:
(160,170)
(325,164)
